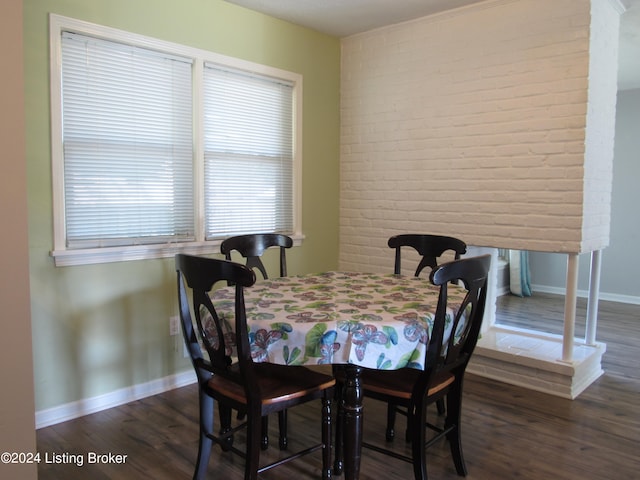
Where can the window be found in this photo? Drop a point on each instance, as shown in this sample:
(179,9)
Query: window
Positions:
(158,147)
(248,136)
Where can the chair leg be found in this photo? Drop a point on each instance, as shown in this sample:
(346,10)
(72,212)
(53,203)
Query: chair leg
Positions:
(418,438)
(454,411)
(205,443)
(282,424)
(254,437)
(225,426)
(326,438)
(440,406)
(391,421)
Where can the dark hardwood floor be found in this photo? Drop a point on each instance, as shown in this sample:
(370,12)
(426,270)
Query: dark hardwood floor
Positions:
(509,432)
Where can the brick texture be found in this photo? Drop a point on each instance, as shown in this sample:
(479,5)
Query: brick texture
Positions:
(474,123)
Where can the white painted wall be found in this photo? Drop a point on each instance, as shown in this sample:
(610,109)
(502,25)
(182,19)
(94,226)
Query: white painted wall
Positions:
(600,129)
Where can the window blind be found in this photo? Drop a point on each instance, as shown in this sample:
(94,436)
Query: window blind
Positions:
(128,144)
(249,148)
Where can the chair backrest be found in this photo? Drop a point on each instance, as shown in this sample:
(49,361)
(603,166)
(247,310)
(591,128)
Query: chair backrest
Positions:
(200,274)
(253,245)
(451,352)
(429,246)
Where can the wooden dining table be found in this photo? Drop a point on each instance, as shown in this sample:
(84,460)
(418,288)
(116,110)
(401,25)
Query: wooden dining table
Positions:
(356,320)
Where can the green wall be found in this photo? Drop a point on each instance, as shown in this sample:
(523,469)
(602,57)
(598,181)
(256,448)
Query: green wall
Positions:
(100,328)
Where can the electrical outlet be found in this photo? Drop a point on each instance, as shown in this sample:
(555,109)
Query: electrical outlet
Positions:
(174,326)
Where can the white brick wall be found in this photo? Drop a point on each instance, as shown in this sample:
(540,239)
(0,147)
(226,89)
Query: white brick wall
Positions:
(472,123)
(601,116)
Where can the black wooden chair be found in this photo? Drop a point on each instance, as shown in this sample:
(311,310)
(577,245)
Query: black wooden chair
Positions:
(253,389)
(252,246)
(431,247)
(412,390)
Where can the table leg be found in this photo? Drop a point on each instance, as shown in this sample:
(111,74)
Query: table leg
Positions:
(352,408)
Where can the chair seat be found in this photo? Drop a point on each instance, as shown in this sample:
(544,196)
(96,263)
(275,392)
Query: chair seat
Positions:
(399,383)
(395,383)
(277,383)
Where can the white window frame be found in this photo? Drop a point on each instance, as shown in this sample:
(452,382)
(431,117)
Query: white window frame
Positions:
(64,256)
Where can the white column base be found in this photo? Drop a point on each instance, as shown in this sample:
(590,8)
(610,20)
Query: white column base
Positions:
(533,360)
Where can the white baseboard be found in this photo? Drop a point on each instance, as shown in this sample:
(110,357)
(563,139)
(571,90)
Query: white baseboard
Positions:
(503,290)
(69,411)
(611,297)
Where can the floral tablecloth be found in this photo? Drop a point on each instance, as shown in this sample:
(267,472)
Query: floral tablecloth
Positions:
(372,320)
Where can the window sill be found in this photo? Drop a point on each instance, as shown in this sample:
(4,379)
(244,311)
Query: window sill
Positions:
(67,258)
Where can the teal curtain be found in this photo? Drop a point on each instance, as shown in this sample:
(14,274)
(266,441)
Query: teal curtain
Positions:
(520,279)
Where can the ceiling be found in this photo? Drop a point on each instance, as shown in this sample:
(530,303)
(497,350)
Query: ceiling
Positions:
(342,18)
